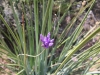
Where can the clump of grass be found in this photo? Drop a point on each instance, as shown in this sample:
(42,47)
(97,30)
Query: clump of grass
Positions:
(34,59)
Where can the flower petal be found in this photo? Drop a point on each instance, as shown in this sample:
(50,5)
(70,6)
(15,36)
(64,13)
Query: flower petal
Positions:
(52,40)
(48,36)
(42,45)
(41,37)
(50,44)
(45,39)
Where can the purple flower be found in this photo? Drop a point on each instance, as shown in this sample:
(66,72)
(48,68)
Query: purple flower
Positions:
(46,41)
(90,58)
(75,59)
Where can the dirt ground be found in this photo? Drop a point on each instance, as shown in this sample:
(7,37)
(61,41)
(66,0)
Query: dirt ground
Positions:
(4,69)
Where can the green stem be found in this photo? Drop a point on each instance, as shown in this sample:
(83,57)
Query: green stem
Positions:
(36,23)
(45,18)
(24,45)
(77,48)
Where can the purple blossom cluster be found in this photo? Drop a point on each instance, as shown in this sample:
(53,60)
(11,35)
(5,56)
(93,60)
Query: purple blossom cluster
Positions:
(46,41)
